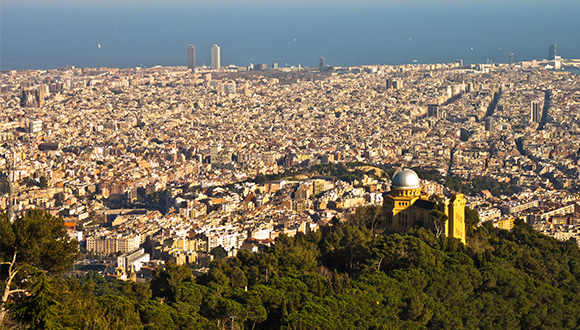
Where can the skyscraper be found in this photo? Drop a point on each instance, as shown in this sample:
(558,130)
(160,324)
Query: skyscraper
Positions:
(191,57)
(433,110)
(511,55)
(394,84)
(321,64)
(214,150)
(536,112)
(490,124)
(552,52)
(215,57)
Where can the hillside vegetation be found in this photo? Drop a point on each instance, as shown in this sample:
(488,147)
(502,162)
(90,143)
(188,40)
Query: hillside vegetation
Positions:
(343,277)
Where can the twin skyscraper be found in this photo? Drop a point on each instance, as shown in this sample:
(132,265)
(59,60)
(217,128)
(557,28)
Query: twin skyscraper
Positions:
(215,57)
(191,57)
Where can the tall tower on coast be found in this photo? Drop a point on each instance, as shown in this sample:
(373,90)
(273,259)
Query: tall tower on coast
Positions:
(191,57)
(552,52)
(215,57)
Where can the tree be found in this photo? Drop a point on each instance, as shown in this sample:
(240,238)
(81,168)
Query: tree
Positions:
(237,277)
(438,219)
(35,241)
(156,315)
(43,182)
(218,252)
(296,253)
(252,302)
(136,291)
(345,247)
(38,309)
(119,313)
(167,278)
(190,296)
(367,216)
(471,221)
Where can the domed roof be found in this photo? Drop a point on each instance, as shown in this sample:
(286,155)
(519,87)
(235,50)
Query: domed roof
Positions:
(406,179)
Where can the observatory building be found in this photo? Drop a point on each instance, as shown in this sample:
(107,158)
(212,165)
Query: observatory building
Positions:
(404,206)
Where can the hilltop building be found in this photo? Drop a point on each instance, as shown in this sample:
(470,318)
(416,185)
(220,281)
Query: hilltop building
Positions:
(404,206)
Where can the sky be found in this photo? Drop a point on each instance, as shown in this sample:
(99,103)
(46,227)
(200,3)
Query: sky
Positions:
(38,34)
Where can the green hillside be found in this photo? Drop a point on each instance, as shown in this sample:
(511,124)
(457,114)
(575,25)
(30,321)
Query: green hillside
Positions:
(342,277)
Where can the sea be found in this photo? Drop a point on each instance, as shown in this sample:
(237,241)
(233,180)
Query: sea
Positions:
(45,34)
(573,70)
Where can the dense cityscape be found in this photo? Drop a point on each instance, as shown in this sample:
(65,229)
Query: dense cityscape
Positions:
(185,165)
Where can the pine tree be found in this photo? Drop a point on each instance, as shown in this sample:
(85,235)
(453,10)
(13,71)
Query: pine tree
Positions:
(38,309)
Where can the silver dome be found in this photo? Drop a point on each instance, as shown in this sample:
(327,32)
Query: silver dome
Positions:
(406,179)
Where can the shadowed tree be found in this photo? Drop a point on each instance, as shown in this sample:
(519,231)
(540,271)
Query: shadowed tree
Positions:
(167,278)
(438,219)
(471,221)
(35,241)
(38,309)
(218,252)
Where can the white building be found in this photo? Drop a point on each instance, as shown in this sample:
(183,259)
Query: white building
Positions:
(133,260)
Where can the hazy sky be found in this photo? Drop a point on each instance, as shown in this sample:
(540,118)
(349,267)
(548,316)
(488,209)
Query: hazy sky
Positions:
(48,33)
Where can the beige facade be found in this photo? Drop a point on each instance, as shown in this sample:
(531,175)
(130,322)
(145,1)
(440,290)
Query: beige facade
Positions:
(404,206)
(113,244)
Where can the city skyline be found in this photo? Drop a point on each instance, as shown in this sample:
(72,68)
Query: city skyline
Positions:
(404,165)
(165,167)
(282,33)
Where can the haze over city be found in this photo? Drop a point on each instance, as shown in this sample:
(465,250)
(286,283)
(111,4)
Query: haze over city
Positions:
(48,34)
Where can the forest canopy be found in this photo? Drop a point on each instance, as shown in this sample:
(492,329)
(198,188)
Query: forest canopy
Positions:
(345,276)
